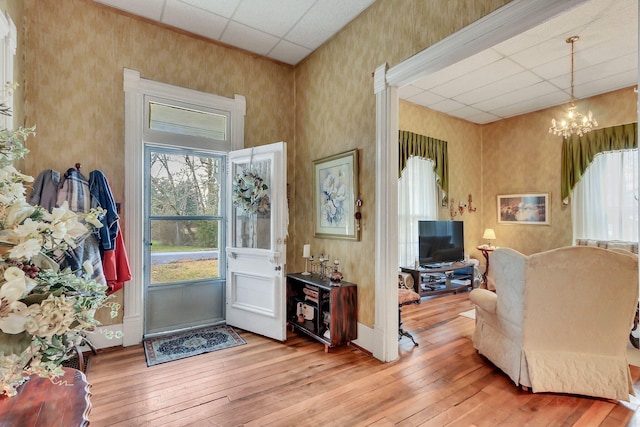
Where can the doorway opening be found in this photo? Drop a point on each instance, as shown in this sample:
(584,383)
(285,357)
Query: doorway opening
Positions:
(184,236)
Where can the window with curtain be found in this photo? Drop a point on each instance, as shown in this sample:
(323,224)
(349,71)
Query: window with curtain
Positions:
(417,200)
(605,200)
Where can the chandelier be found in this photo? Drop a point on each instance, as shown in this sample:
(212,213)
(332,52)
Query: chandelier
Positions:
(575,122)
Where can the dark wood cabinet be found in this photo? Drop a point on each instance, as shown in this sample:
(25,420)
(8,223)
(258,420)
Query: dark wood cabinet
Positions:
(325,312)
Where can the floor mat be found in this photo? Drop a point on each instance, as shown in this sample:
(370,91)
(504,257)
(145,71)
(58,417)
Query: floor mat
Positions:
(190,343)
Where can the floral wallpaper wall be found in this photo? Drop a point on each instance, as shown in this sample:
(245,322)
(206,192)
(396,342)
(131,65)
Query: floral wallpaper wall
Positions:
(511,156)
(464,147)
(520,156)
(76,51)
(335,112)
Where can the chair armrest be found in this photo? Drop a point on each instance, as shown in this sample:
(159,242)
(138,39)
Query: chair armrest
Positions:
(484,299)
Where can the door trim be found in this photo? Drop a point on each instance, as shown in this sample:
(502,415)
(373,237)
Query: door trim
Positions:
(135,89)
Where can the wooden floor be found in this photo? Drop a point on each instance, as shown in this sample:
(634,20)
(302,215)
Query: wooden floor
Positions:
(442,382)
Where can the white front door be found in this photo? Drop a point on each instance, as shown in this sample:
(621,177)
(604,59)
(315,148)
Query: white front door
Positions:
(257,231)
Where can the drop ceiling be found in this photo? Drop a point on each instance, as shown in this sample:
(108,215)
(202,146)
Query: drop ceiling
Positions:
(526,73)
(284,30)
(532,71)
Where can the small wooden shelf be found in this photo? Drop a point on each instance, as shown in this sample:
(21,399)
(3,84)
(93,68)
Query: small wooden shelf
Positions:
(330,313)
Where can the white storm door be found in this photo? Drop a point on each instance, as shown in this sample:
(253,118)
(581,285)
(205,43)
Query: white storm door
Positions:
(256,255)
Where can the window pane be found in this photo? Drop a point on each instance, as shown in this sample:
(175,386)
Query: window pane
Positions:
(604,203)
(167,118)
(185,185)
(184,250)
(252,229)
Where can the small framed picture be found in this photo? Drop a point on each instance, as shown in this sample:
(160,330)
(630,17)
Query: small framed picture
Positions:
(530,208)
(335,187)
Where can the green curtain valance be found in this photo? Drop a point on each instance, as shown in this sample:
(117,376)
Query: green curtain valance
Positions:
(412,144)
(579,152)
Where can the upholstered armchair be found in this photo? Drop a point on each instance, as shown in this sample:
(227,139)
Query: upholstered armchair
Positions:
(559,320)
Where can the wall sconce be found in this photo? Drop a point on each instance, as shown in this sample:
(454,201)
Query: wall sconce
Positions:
(461,207)
(471,209)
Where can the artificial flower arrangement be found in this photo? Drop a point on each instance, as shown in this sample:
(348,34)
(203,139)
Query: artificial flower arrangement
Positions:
(250,193)
(44,311)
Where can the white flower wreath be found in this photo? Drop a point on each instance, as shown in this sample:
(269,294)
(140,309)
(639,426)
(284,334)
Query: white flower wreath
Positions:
(250,193)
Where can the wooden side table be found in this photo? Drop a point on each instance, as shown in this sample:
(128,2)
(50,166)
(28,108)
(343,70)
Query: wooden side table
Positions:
(486,251)
(40,403)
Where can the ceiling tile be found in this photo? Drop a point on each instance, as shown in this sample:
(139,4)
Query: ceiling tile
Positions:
(408,91)
(506,85)
(268,16)
(289,53)
(459,69)
(447,105)
(248,38)
(151,9)
(426,98)
(483,118)
(490,73)
(224,8)
(206,24)
(325,19)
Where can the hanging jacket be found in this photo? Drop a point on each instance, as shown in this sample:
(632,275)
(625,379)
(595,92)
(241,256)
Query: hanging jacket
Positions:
(44,191)
(74,190)
(116,266)
(101,196)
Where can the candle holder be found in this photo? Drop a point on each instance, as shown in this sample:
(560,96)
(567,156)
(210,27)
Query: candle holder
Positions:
(306,254)
(306,271)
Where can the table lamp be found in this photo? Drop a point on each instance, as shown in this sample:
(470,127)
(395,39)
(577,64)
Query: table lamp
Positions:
(489,235)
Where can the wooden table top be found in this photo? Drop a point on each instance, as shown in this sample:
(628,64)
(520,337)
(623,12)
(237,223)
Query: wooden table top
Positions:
(41,403)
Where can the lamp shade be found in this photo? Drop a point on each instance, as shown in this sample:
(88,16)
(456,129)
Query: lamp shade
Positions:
(489,234)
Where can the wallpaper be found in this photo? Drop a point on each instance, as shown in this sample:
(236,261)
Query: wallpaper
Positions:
(335,112)
(76,53)
(324,106)
(521,156)
(464,146)
(511,156)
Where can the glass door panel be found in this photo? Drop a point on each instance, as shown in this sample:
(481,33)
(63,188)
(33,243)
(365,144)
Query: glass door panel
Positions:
(184,250)
(184,280)
(252,204)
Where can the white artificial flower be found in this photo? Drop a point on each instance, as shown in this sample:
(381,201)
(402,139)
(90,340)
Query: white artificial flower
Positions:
(14,287)
(17,213)
(87,267)
(28,228)
(14,322)
(25,250)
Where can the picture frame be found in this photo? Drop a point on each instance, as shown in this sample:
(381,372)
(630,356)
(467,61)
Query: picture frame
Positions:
(526,209)
(335,191)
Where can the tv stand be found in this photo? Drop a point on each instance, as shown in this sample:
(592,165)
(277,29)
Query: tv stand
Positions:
(434,280)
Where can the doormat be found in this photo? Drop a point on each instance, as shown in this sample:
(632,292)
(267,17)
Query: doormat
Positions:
(190,343)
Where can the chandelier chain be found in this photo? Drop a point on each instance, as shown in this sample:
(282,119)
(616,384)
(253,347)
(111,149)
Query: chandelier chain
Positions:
(572,40)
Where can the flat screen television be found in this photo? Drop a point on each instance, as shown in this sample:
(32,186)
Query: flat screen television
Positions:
(440,242)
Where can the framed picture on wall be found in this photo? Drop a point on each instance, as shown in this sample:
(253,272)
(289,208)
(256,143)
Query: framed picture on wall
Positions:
(335,187)
(530,208)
